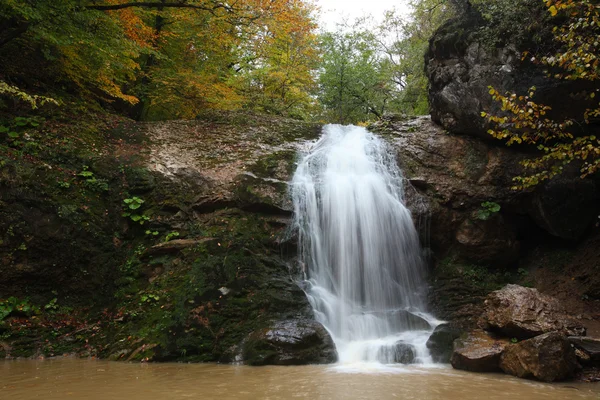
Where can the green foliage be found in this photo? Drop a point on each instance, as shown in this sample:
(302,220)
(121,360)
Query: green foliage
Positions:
(132,204)
(511,21)
(13,305)
(34,101)
(171,235)
(52,305)
(91,182)
(355,85)
(488,209)
(405,44)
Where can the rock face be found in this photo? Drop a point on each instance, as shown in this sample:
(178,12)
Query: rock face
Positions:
(440,342)
(479,351)
(523,313)
(548,357)
(449,180)
(293,342)
(202,273)
(451,176)
(463,61)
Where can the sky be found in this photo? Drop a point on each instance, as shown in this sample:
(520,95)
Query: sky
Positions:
(333,11)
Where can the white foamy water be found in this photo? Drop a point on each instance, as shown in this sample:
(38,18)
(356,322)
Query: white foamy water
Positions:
(360,250)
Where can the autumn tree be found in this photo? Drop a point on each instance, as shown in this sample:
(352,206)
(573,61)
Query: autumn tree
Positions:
(277,67)
(162,58)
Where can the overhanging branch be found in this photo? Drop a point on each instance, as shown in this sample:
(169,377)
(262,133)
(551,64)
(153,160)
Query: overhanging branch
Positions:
(155,4)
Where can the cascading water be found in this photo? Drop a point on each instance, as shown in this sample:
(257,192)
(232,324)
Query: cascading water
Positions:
(359,249)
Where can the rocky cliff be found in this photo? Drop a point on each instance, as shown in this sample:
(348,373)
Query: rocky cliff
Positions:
(165,244)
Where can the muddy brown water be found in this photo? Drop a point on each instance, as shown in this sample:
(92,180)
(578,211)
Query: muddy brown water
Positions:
(102,380)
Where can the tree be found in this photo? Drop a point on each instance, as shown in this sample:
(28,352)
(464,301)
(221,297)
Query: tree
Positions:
(529,123)
(162,58)
(355,81)
(276,71)
(404,42)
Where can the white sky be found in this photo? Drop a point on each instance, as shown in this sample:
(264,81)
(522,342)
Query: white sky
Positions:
(334,11)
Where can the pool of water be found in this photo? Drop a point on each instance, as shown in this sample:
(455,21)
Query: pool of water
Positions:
(68,378)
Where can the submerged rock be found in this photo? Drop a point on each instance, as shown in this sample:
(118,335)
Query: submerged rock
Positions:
(523,313)
(399,353)
(291,342)
(479,351)
(440,342)
(548,357)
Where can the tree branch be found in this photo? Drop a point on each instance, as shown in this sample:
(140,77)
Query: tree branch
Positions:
(153,4)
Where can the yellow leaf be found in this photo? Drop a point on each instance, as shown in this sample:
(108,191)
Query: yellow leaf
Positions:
(553,11)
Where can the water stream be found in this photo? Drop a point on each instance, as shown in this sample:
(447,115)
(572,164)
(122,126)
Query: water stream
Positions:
(360,250)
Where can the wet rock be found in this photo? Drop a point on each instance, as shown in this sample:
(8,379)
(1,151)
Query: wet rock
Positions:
(440,342)
(548,357)
(591,346)
(523,313)
(479,351)
(291,342)
(398,353)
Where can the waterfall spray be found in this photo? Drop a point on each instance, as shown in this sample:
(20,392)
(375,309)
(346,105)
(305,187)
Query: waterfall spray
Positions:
(363,266)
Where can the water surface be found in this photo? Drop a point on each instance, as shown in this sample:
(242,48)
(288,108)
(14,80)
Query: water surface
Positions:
(103,380)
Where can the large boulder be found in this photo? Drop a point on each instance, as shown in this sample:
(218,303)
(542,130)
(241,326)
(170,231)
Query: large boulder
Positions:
(440,342)
(548,357)
(523,313)
(479,351)
(290,342)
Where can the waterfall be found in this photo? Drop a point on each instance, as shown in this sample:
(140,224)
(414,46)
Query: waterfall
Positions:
(359,249)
